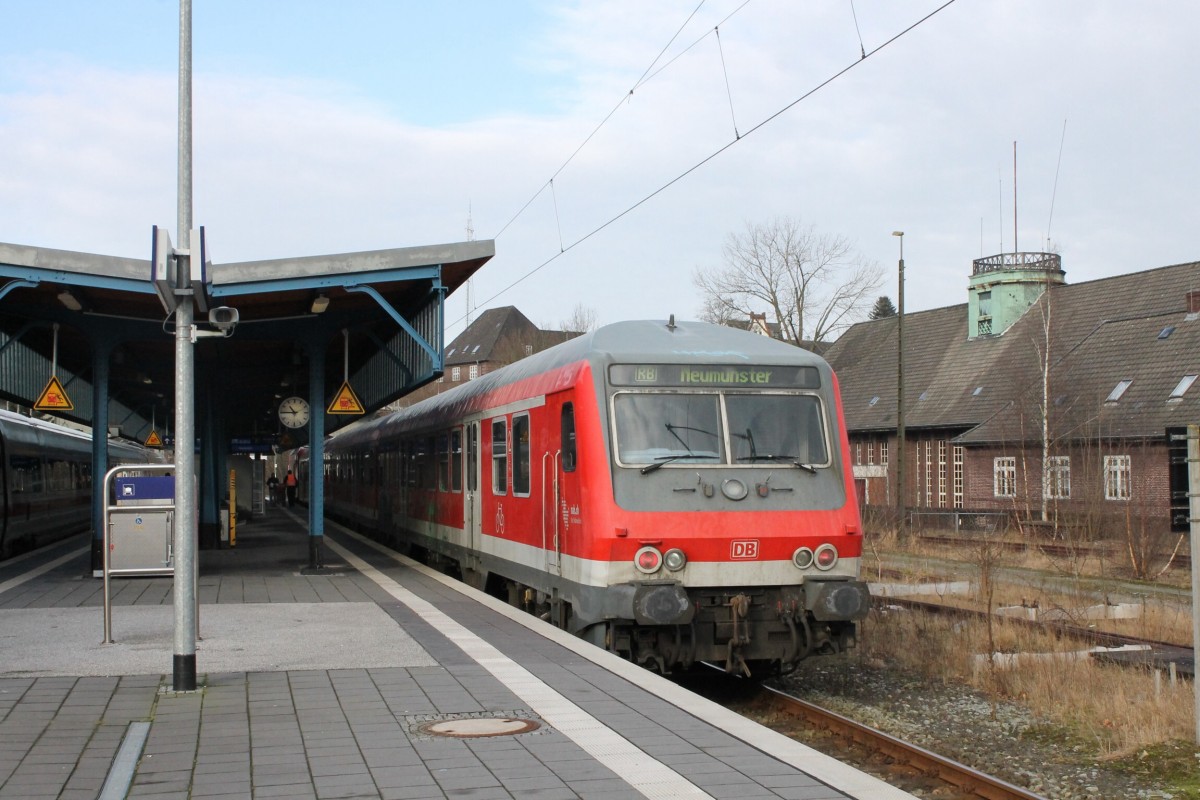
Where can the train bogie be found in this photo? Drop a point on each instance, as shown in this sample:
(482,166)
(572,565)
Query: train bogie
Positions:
(672,493)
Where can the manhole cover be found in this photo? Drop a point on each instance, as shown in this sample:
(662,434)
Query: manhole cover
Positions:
(479,727)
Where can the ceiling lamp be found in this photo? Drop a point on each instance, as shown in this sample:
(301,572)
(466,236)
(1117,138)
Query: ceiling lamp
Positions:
(69,300)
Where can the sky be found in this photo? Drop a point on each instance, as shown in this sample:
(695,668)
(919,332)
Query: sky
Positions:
(610,147)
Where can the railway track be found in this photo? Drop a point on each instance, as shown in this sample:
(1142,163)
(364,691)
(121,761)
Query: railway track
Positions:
(969,782)
(1158,654)
(1054,549)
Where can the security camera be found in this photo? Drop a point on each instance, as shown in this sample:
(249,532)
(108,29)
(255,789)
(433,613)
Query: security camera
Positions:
(223,318)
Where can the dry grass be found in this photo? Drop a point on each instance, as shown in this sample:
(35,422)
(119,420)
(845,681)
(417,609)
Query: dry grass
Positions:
(1121,711)
(1160,619)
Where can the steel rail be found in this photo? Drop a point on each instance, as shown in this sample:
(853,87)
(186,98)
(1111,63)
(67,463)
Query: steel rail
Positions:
(1158,651)
(967,779)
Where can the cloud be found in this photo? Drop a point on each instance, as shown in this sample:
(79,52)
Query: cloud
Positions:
(917,137)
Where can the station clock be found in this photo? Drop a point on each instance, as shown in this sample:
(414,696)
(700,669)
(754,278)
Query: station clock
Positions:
(294,412)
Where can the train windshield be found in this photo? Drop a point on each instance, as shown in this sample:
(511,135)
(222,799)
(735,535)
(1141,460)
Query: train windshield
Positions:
(719,428)
(767,427)
(659,427)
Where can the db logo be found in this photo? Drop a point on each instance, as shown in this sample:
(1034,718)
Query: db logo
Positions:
(744,548)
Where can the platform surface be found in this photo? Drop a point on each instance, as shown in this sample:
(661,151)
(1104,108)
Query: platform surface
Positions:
(344,686)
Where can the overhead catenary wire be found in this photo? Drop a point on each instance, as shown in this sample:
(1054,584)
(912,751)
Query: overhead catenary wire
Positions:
(728,91)
(761,124)
(645,76)
(1054,191)
(862,49)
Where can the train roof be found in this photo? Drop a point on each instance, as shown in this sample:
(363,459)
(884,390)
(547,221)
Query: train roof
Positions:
(38,432)
(637,341)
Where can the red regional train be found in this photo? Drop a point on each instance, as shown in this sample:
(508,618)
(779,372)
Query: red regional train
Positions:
(672,492)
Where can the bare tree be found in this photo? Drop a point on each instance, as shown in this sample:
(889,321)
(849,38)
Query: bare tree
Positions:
(582,320)
(814,284)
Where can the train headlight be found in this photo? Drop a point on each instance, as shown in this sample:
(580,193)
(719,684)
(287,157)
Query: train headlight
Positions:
(803,558)
(674,559)
(827,556)
(648,560)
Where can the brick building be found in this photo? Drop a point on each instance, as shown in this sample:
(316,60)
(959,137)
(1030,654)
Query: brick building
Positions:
(994,427)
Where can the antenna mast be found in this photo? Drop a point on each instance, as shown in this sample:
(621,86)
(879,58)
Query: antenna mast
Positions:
(1015,248)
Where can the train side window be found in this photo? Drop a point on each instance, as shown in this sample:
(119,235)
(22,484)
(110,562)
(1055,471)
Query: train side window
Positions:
(443,462)
(500,456)
(472,456)
(456,460)
(428,464)
(521,457)
(568,437)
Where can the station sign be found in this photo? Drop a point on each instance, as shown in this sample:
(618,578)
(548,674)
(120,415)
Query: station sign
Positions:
(262,443)
(54,397)
(345,402)
(742,376)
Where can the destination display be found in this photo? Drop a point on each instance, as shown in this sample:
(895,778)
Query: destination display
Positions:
(741,376)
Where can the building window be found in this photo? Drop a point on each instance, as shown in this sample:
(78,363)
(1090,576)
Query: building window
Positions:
(985,304)
(959,488)
(473,372)
(1057,483)
(883,453)
(1116,477)
(456,374)
(928,474)
(1004,476)
(942,468)
(500,456)
(870,453)
(858,453)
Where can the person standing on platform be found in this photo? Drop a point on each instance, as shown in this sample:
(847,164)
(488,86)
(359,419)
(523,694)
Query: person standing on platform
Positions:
(273,488)
(289,484)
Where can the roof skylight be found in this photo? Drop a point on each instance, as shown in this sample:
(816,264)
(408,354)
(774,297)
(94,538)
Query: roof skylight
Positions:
(1181,388)
(1117,391)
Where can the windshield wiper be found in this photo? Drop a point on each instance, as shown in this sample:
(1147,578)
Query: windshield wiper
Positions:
(646,470)
(789,459)
(661,461)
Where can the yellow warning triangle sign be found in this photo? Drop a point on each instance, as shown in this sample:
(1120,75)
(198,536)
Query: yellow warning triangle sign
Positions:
(345,402)
(54,397)
(154,440)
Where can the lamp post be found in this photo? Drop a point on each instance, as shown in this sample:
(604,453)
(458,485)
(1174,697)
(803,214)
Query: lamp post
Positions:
(900,512)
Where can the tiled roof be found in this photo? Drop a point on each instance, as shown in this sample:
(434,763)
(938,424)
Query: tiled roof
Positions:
(500,329)
(477,342)
(989,388)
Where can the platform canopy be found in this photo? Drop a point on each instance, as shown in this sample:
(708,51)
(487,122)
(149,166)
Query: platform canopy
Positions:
(375,317)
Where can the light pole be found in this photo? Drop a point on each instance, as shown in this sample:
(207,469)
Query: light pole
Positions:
(900,512)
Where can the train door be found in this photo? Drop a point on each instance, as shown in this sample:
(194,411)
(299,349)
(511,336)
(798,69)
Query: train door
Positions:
(557,463)
(473,507)
(551,531)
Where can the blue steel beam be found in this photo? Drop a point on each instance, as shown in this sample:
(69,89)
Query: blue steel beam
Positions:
(317,282)
(19,283)
(434,356)
(33,276)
